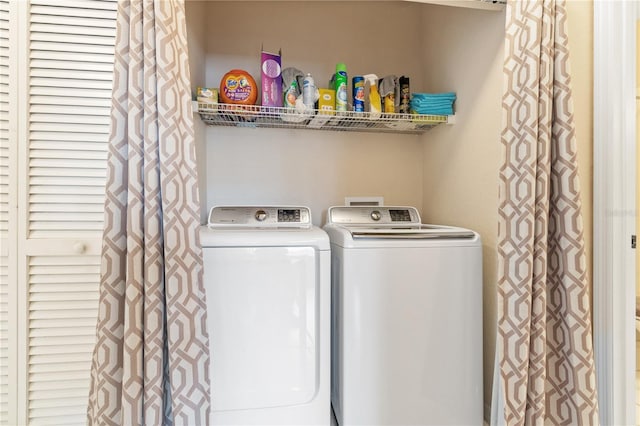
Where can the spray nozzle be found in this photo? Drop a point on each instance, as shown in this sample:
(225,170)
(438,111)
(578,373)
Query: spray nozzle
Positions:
(372,79)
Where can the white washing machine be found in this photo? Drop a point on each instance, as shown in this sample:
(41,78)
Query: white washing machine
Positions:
(267,281)
(406,319)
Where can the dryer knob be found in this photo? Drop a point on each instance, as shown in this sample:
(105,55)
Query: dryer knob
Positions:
(261,215)
(375,215)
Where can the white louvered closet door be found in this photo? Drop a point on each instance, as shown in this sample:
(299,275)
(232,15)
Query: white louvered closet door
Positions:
(4,212)
(65,100)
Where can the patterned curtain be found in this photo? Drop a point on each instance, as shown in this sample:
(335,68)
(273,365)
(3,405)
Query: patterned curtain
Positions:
(150,363)
(545,368)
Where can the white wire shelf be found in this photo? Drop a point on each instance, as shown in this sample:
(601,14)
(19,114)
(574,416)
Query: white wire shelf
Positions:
(287,118)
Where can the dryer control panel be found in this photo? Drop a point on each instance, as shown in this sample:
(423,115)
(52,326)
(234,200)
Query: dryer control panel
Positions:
(374,216)
(260,216)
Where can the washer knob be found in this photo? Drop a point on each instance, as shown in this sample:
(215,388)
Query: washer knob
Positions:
(375,215)
(261,215)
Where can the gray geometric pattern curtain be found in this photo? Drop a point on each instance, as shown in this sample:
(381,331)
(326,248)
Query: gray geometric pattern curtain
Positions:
(151,363)
(544,344)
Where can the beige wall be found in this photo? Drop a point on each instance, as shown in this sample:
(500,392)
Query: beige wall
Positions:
(461,162)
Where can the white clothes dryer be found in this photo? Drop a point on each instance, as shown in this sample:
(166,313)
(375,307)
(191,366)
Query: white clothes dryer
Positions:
(406,319)
(267,282)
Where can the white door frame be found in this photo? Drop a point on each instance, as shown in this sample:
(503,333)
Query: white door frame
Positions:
(614,208)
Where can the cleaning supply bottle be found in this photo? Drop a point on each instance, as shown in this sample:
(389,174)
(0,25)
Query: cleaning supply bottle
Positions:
(291,94)
(358,93)
(340,81)
(403,98)
(308,91)
(389,103)
(387,89)
(375,104)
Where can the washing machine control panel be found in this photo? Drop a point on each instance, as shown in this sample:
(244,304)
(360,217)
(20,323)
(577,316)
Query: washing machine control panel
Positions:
(260,216)
(374,215)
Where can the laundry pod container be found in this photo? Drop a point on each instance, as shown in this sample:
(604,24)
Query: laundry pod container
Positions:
(267,283)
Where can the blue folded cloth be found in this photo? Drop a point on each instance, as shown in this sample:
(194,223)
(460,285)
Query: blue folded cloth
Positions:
(433,103)
(445,95)
(435,111)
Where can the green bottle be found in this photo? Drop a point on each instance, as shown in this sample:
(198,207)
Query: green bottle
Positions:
(340,82)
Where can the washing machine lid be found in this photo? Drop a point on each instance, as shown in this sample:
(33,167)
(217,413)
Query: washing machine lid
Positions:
(366,226)
(262,226)
(424,232)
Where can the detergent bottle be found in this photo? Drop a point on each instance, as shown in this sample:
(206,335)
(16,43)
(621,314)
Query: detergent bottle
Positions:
(340,81)
(375,104)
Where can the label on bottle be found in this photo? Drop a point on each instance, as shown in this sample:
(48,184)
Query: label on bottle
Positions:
(290,95)
(238,87)
(308,91)
(358,94)
(341,91)
(390,103)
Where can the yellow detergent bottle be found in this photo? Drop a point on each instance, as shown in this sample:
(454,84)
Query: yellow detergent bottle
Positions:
(375,103)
